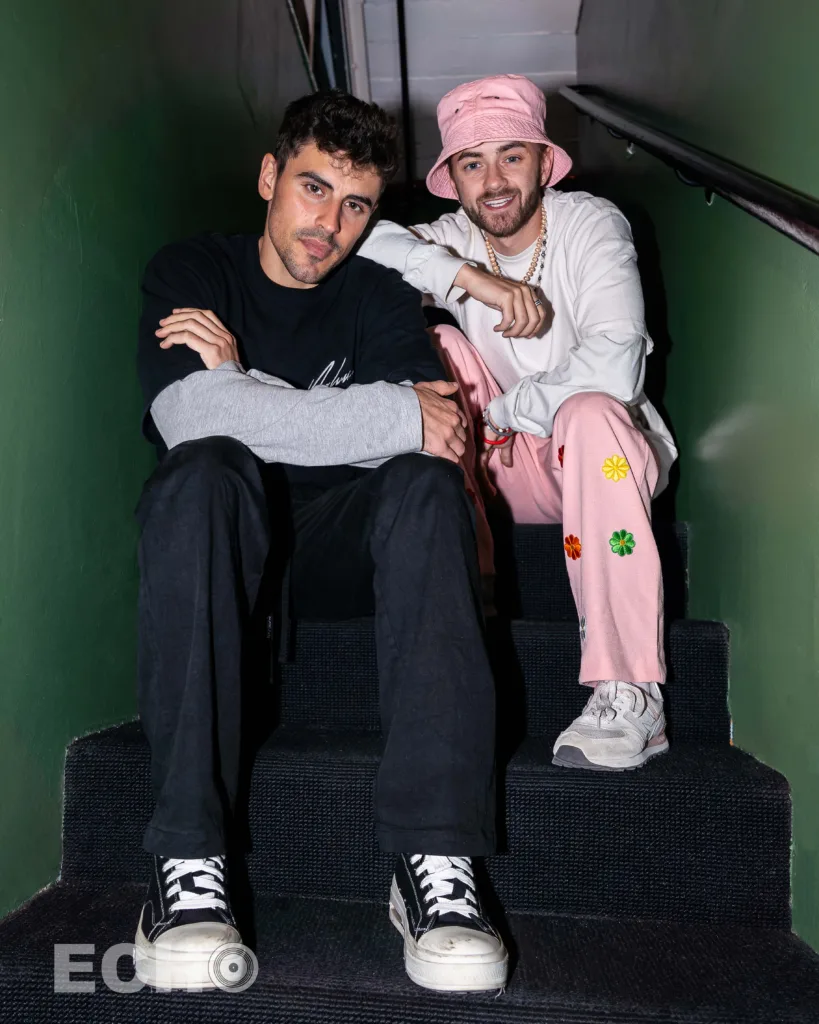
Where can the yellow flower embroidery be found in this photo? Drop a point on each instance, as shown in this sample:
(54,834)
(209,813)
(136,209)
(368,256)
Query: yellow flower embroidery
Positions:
(615,468)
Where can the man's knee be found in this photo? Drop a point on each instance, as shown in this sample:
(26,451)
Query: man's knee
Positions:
(445,335)
(591,406)
(427,474)
(211,460)
(193,470)
(423,499)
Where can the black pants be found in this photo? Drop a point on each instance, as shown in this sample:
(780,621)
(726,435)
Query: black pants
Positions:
(398,542)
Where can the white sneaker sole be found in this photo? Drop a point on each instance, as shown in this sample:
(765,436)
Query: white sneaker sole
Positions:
(188,971)
(569,756)
(447,973)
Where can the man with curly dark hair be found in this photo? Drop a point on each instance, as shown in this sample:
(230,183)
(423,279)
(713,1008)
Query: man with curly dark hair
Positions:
(303,418)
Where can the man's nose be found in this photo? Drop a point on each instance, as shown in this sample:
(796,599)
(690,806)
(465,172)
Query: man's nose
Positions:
(329,218)
(495,179)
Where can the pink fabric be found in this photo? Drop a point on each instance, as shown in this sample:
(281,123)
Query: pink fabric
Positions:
(503,107)
(564,479)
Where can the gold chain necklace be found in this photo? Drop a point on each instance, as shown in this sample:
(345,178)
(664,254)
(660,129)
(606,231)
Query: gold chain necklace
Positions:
(540,250)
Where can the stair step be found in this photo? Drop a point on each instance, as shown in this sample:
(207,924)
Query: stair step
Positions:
(700,834)
(333,962)
(333,682)
(533,582)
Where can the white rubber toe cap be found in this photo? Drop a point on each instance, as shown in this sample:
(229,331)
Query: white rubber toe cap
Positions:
(203,937)
(453,941)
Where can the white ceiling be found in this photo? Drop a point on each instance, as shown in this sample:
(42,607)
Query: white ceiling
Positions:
(454,41)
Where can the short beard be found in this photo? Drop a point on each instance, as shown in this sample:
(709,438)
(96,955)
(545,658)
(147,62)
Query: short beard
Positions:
(505,226)
(310,272)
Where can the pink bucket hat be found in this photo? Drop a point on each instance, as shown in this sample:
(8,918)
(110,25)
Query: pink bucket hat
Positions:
(491,110)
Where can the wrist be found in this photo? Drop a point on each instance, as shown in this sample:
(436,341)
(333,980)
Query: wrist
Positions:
(491,425)
(463,276)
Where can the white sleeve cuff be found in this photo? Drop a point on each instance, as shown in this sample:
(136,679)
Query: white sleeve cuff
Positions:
(435,271)
(497,412)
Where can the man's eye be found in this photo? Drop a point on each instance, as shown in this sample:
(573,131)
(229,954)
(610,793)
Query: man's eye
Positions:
(517,158)
(471,166)
(311,186)
(355,207)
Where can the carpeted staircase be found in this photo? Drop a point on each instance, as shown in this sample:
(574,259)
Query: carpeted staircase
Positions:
(660,895)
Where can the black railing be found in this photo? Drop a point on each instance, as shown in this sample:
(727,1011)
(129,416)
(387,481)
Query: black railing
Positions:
(790,212)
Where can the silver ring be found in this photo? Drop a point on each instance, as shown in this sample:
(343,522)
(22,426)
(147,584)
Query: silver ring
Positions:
(538,302)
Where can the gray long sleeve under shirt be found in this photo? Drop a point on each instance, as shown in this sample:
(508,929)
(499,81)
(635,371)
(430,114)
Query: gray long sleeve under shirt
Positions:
(362,424)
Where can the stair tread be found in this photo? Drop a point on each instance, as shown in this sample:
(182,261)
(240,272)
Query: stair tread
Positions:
(525,627)
(340,962)
(714,821)
(532,761)
(333,681)
(533,757)
(339,749)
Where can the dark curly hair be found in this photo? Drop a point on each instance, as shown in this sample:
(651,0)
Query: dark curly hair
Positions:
(340,123)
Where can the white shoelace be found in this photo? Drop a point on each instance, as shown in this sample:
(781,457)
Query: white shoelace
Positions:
(441,874)
(208,873)
(608,698)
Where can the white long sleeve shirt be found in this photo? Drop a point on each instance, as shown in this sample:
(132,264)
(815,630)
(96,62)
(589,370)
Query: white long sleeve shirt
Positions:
(594,338)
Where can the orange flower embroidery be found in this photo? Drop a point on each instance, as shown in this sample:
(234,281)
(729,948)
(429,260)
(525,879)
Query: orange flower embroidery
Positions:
(572,547)
(560,451)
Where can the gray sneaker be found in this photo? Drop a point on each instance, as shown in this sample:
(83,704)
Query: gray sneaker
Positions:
(621,727)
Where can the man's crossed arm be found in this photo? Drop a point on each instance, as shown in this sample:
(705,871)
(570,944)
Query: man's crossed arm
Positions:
(323,426)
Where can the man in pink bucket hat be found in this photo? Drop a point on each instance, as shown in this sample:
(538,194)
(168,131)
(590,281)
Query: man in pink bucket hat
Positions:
(551,360)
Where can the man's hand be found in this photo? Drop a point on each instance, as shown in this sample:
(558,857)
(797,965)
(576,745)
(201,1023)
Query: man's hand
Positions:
(443,422)
(504,450)
(202,331)
(521,317)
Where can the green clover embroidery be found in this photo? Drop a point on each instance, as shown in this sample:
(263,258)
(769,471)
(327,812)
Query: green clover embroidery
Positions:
(622,543)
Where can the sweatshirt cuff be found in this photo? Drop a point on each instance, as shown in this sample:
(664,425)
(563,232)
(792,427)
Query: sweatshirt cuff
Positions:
(407,425)
(499,414)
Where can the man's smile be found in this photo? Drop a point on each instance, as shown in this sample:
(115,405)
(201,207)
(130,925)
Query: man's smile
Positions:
(500,203)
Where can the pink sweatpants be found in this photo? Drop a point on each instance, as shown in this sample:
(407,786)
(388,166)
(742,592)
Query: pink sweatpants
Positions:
(595,474)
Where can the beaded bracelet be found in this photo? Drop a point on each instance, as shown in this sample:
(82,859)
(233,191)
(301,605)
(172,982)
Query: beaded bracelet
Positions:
(503,431)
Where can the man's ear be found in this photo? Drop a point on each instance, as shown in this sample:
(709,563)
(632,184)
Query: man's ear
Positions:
(267,177)
(547,159)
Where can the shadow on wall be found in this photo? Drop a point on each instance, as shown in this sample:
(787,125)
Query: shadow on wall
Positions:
(231,80)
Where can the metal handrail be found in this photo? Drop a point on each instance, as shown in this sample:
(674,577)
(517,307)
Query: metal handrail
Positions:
(792,213)
(301,42)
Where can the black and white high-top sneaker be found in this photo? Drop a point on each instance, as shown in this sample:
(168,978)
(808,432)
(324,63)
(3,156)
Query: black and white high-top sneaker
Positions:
(449,944)
(185,918)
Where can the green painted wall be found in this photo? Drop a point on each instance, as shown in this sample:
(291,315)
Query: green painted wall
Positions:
(739,77)
(124,125)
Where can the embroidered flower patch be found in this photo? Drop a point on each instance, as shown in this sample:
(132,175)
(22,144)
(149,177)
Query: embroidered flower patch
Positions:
(615,468)
(572,546)
(622,542)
